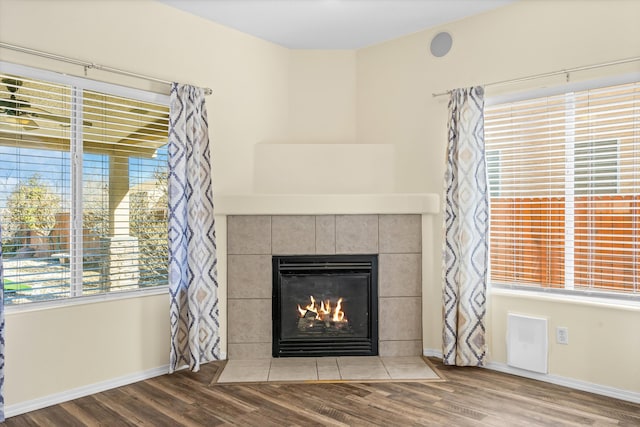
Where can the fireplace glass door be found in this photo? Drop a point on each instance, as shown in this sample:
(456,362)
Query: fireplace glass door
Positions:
(325,305)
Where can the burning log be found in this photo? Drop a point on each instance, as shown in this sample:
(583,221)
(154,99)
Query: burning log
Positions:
(323,318)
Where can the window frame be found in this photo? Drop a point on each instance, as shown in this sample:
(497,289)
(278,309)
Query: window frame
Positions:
(567,293)
(78,85)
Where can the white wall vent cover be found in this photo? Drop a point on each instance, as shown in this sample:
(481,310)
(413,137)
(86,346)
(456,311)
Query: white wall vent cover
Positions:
(527,342)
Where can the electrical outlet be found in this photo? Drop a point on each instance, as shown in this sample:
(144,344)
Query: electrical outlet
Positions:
(562,335)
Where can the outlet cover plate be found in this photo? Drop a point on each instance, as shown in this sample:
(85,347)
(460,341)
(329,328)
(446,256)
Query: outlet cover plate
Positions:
(562,335)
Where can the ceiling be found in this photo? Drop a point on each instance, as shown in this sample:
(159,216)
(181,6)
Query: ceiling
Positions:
(333,24)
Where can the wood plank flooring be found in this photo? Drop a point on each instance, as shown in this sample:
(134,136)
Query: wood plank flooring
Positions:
(469,397)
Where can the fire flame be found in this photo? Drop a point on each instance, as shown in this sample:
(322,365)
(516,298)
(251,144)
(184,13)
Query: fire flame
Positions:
(324,311)
(338,315)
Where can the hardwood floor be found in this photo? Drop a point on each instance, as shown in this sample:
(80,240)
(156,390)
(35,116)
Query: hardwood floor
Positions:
(469,397)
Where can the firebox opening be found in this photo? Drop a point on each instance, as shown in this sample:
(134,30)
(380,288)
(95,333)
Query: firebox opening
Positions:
(325,305)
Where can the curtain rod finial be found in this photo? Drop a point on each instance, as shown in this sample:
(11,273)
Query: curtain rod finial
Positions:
(435,95)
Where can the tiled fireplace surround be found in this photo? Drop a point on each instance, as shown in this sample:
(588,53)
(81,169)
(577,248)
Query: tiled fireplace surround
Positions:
(253,239)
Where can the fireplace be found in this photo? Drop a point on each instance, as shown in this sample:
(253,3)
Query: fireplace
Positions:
(325,305)
(253,241)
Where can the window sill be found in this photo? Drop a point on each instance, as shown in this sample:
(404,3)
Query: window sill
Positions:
(631,303)
(83,300)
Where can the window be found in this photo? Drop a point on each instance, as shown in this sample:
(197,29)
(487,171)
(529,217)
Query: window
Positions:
(565,191)
(83,186)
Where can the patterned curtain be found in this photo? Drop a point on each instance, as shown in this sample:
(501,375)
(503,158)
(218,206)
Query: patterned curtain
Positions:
(466,239)
(193,282)
(1,333)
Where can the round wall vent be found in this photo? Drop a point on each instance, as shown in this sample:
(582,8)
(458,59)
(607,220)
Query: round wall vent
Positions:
(441,44)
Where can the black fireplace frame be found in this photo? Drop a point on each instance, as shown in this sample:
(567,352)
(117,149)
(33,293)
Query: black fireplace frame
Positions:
(325,264)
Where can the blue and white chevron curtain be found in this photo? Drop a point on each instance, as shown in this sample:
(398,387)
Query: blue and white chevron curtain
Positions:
(466,240)
(193,282)
(1,333)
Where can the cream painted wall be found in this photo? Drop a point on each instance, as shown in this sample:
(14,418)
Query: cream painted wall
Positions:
(322,96)
(324,168)
(320,147)
(603,345)
(395,81)
(54,350)
(249,76)
(58,349)
(262,92)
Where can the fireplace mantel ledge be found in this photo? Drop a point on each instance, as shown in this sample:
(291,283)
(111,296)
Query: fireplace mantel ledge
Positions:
(326,204)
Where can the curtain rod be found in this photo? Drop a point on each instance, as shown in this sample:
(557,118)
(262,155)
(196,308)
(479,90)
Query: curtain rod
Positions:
(88,65)
(552,73)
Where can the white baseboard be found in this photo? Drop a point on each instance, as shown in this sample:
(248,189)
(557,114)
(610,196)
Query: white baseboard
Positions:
(75,393)
(430,352)
(65,396)
(630,396)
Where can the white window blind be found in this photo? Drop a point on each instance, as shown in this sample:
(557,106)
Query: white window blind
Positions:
(82,191)
(565,192)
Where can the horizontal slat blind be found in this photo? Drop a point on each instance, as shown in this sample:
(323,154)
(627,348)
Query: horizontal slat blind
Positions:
(35,190)
(564,177)
(125,153)
(123,176)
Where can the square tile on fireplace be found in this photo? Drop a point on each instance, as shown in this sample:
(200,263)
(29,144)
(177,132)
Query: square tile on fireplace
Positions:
(325,234)
(249,320)
(256,370)
(356,234)
(247,351)
(400,275)
(249,276)
(362,368)
(402,368)
(394,348)
(400,318)
(293,234)
(249,234)
(293,369)
(400,233)
(328,368)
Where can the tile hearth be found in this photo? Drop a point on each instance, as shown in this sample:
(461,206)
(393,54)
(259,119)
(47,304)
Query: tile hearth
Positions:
(309,369)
